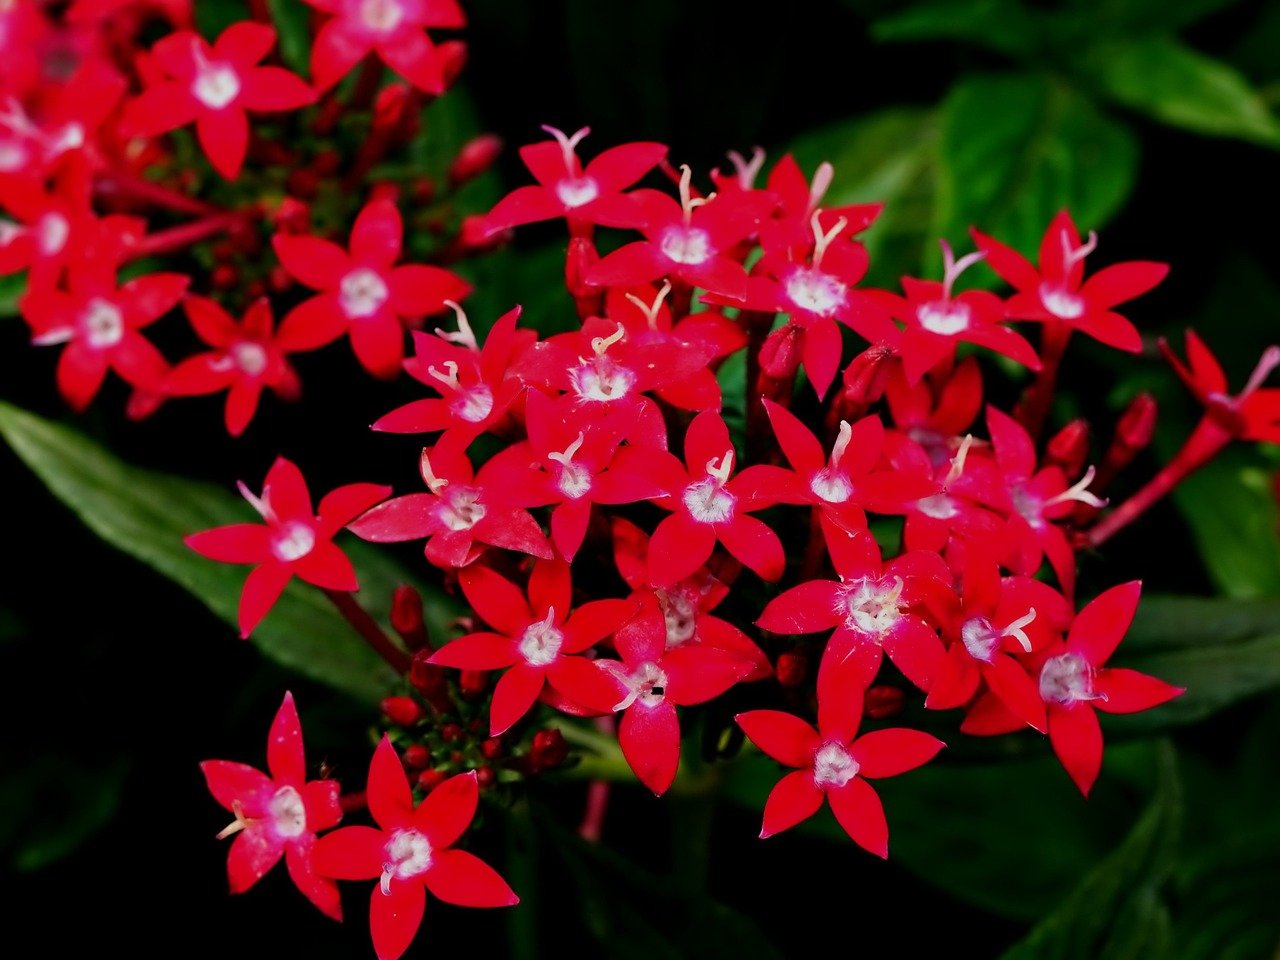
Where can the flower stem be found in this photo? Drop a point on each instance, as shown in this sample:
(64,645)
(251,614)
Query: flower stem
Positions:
(184,235)
(369,630)
(592,825)
(1033,408)
(127,186)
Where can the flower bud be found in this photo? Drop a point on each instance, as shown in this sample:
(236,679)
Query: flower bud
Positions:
(883,701)
(1137,425)
(402,711)
(549,749)
(416,756)
(792,667)
(486,777)
(473,683)
(867,376)
(389,107)
(782,351)
(475,158)
(451,732)
(406,617)
(492,748)
(453,57)
(1069,447)
(428,780)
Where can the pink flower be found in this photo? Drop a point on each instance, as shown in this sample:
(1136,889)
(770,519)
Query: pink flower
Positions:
(393,29)
(214,86)
(362,293)
(411,852)
(245,359)
(292,540)
(278,815)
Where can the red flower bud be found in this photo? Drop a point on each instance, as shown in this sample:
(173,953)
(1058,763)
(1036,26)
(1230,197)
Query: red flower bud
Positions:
(867,375)
(402,711)
(224,277)
(473,683)
(782,351)
(475,158)
(1137,425)
(428,780)
(326,163)
(883,701)
(416,757)
(549,749)
(486,777)
(792,667)
(451,732)
(453,57)
(304,184)
(422,190)
(492,748)
(389,107)
(406,617)
(1069,447)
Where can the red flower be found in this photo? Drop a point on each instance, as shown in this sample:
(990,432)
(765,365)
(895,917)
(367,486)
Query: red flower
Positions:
(1054,293)
(411,853)
(68,122)
(565,189)
(362,293)
(394,29)
(539,640)
(292,541)
(1252,414)
(833,761)
(277,815)
(99,323)
(214,86)
(797,217)
(245,359)
(936,414)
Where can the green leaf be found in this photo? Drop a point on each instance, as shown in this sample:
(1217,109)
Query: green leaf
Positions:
(213,18)
(1165,79)
(1017,148)
(292,20)
(146,514)
(12,287)
(1116,912)
(1141,15)
(1000,25)
(884,157)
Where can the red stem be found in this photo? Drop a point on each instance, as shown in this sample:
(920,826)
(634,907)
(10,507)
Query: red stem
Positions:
(1033,408)
(184,235)
(367,83)
(130,187)
(353,802)
(592,825)
(369,630)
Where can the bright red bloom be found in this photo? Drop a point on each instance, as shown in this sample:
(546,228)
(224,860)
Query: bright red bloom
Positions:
(394,29)
(459,509)
(937,320)
(292,540)
(99,323)
(833,761)
(707,505)
(277,815)
(651,681)
(798,218)
(245,358)
(214,86)
(362,293)
(566,189)
(936,415)
(967,486)
(411,853)
(1073,683)
(1252,414)
(1055,294)
(66,124)
(538,640)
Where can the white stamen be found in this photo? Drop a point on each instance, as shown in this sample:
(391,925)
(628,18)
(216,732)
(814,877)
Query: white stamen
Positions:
(688,202)
(842,443)
(648,684)
(236,825)
(747,170)
(103,323)
(651,310)
(721,467)
(952,268)
(1062,303)
(576,192)
(52,232)
(814,291)
(822,240)
(434,484)
(601,344)
(449,378)
(822,178)
(686,245)
(259,504)
(293,541)
(381,16)
(541,642)
(250,357)
(870,606)
(289,813)
(461,508)
(362,292)
(1071,257)
(1079,491)
(464,335)
(1068,679)
(216,84)
(567,146)
(1269,360)
(833,765)
(1015,629)
(408,855)
(575,479)
(680,617)
(957,462)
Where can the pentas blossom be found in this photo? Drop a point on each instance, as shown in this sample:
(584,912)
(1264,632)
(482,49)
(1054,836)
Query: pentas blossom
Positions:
(1057,291)
(573,462)
(834,762)
(686,606)
(244,360)
(690,241)
(710,504)
(214,86)
(410,852)
(460,510)
(966,486)
(936,413)
(801,216)
(99,322)
(937,319)
(876,609)
(590,195)
(292,540)
(66,124)
(362,293)
(540,641)
(277,815)
(395,30)
(476,390)
(1251,414)
(1074,682)
(651,681)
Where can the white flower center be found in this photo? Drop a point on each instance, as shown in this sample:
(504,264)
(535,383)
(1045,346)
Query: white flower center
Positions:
(680,615)
(103,323)
(577,191)
(831,485)
(687,245)
(871,607)
(13,156)
(288,812)
(250,357)
(541,642)
(601,380)
(708,501)
(814,291)
(833,766)
(980,638)
(1066,679)
(293,541)
(69,137)
(473,404)
(460,508)
(52,232)
(944,317)
(647,684)
(574,480)
(380,16)
(938,507)
(216,85)
(362,292)
(408,854)
(1029,506)
(1062,303)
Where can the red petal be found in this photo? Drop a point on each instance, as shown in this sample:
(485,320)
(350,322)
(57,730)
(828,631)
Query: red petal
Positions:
(782,736)
(285,758)
(585,684)
(915,649)
(498,601)
(515,692)
(808,608)
(514,529)
(418,290)
(274,89)
(254,851)
(320,797)
(378,342)
(138,362)
(315,263)
(697,673)
(569,521)
(262,589)
(448,810)
(619,167)
(376,235)
(594,621)
(285,491)
(1077,740)
(822,347)
(159,109)
(1015,452)
(232,783)
(417,416)
(352,853)
(311,324)
(1101,625)
(410,517)
(631,264)
(1012,267)
(1122,281)
(337,49)
(409,53)
(859,811)
(678,547)
(1207,371)
(390,800)
(887,753)
(244,43)
(224,135)
(1110,328)
(957,683)
(326,566)
(793,798)
(1015,688)
(242,404)
(853,554)
(644,636)
(149,297)
(321,891)
(465,880)
(650,741)
(237,543)
(1128,691)
(394,918)
(752,542)
(550,586)
(522,205)
(848,666)
(343,504)
(477,651)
